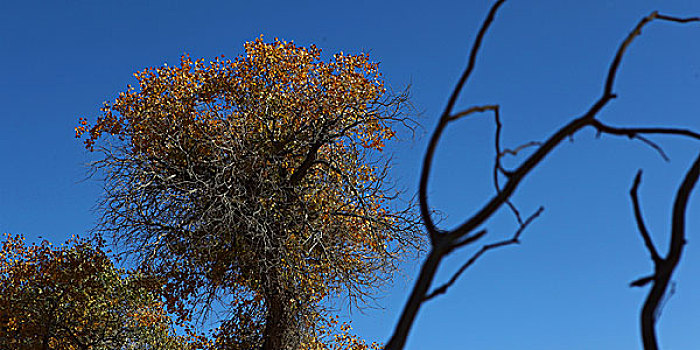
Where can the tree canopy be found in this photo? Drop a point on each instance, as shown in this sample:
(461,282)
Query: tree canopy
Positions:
(72,297)
(259,183)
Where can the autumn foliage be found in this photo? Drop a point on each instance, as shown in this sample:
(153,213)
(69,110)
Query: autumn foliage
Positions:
(258,183)
(73,298)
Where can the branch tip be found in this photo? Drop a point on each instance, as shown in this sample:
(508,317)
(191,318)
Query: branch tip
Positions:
(642,281)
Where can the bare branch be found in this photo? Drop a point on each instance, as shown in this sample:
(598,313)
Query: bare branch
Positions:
(513,240)
(443,240)
(498,166)
(516,150)
(640,220)
(628,40)
(633,132)
(641,282)
(471,239)
(655,146)
(664,268)
(677,19)
(429,267)
(444,119)
(472,110)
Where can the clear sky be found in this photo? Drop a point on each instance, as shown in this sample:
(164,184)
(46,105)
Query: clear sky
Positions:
(543,61)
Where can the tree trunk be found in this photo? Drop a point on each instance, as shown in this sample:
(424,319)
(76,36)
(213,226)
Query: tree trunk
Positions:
(275,323)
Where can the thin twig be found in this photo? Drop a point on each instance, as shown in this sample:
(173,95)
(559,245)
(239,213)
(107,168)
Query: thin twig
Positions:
(514,151)
(655,146)
(632,132)
(640,220)
(636,133)
(472,110)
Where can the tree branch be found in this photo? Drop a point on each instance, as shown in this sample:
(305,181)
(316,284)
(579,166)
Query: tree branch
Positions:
(442,241)
(633,132)
(398,339)
(640,220)
(664,268)
(513,240)
(444,120)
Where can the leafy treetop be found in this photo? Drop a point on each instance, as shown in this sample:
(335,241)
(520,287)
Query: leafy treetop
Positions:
(258,182)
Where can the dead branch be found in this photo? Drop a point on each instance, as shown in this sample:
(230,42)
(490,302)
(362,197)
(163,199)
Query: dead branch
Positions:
(513,240)
(443,242)
(663,267)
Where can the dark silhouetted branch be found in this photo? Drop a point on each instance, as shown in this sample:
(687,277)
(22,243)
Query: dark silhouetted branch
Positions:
(439,246)
(442,123)
(513,240)
(633,132)
(472,110)
(641,282)
(636,133)
(664,267)
(471,239)
(443,242)
(640,220)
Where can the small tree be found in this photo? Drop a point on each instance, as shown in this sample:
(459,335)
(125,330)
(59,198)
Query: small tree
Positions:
(73,298)
(258,182)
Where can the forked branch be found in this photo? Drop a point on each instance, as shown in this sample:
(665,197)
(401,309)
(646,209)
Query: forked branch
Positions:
(443,242)
(513,240)
(663,267)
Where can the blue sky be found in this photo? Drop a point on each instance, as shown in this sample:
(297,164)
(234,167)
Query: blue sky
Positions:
(543,61)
